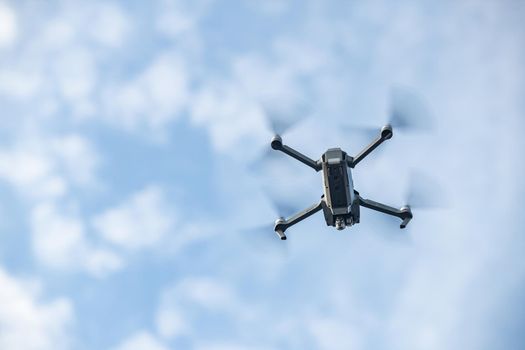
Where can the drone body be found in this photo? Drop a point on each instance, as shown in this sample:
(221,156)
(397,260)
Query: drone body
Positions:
(340,202)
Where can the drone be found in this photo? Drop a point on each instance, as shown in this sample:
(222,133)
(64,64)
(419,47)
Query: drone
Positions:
(340,202)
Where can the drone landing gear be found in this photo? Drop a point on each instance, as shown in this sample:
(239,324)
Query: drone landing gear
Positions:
(404,213)
(282,225)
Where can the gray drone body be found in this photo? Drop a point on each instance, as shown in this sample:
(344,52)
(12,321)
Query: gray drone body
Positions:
(340,202)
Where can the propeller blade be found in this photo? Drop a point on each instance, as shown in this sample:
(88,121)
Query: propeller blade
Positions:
(264,240)
(424,192)
(385,226)
(284,117)
(283,207)
(280,125)
(409,111)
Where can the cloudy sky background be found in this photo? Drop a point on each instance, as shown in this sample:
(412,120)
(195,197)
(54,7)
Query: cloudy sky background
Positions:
(136,185)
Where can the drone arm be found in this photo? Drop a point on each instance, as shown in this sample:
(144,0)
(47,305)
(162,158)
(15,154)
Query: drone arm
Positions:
(282,225)
(385,134)
(404,213)
(277,144)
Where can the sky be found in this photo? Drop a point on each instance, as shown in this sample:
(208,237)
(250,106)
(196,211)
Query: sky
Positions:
(137,184)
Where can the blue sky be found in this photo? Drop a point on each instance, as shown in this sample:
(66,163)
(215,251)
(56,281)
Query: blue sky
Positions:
(136,186)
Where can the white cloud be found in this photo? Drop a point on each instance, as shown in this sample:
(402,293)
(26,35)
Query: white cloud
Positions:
(78,159)
(142,340)
(185,307)
(29,170)
(44,170)
(186,234)
(176,18)
(275,86)
(8,25)
(58,33)
(241,110)
(19,82)
(102,262)
(28,324)
(47,167)
(59,242)
(76,73)
(60,61)
(171,322)
(153,98)
(271,7)
(94,25)
(228,346)
(110,25)
(206,292)
(179,308)
(141,221)
(235,122)
(334,334)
